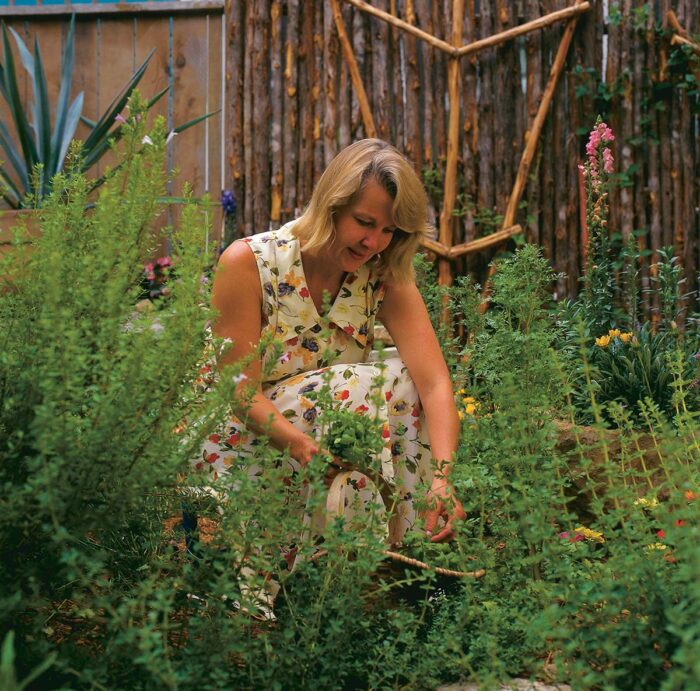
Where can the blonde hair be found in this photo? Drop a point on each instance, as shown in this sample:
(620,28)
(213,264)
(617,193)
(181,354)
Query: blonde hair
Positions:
(342,183)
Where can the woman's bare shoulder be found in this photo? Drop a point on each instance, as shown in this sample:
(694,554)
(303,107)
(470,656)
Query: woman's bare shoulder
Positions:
(238,256)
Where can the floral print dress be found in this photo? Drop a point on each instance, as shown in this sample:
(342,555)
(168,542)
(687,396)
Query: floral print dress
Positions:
(290,316)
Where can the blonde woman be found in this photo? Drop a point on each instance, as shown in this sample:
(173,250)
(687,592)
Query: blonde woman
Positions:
(355,242)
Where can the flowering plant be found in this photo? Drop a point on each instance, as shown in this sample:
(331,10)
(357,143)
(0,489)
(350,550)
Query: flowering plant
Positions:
(155,279)
(228,206)
(599,276)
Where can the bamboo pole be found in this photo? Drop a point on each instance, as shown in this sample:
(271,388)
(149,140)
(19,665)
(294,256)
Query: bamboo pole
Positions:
(453,84)
(541,23)
(409,28)
(367,119)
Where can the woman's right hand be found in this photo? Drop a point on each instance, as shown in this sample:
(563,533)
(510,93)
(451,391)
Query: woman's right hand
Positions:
(303,448)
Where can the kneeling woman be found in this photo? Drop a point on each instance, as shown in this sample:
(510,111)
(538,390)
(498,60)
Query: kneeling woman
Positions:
(355,242)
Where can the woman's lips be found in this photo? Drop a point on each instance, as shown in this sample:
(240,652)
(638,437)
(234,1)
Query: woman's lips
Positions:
(357,255)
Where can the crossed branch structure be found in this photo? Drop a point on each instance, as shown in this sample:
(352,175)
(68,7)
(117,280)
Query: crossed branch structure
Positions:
(443,247)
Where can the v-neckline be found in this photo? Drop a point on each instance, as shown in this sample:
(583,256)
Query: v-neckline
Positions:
(317,313)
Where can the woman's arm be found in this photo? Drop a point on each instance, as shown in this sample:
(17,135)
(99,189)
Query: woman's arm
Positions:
(237,298)
(405,316)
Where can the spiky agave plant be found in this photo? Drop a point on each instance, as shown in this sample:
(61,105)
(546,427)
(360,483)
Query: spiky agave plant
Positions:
(38,151)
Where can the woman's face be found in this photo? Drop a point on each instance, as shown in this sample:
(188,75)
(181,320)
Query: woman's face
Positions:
(363,229)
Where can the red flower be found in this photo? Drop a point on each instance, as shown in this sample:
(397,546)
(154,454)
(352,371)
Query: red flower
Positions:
(385,432)
(690,495)
(361,483)
(215,438)
(199,466)
(415,411)
(205,369)
(304,292)
(361,408)
(660,534)
(293,341)
(349,330)
(342,395)
(211,457)
(680,522)
(388,395)
(234,439)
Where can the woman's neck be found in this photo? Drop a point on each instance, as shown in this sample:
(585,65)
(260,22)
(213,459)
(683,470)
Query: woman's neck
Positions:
(322,275)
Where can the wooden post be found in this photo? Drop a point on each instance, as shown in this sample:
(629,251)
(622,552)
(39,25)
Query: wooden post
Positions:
(367,119)
(409,28)
(533,136)
(453,82)
(534,25)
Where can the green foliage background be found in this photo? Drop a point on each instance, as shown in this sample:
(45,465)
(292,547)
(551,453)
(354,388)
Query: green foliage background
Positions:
(101,411)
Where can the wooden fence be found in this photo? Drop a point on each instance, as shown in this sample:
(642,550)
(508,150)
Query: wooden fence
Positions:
(292,107)
(111,41)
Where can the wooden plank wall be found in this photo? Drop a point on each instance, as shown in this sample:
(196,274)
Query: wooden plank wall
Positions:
(292,108)
(109,47)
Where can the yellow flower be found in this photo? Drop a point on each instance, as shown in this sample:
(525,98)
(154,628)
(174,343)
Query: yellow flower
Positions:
(656,545)
(626,337)
(470,409)
(603,341)
(647,503)
(589,534)
(614,333)
(468,399)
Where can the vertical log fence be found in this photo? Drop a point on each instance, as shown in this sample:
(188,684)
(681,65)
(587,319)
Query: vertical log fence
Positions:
(521,83)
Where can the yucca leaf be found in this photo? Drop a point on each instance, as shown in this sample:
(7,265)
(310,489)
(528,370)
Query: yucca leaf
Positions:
(62,107)
(42,117)
(12,154)
(104,124)
(2,82)
(157,97)
(86,121)
(15,102)
(9,186)
(69,127)
(114,135)
(190,123)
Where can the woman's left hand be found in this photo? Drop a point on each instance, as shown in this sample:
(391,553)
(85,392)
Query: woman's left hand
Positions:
(442,503)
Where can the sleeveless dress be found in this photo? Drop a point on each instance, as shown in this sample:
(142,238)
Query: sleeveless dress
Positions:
(290,316)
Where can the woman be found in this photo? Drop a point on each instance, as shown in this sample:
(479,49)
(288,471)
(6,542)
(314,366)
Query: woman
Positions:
(355,243)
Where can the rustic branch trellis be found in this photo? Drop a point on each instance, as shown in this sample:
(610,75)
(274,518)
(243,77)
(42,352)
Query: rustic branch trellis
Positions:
(443,247)
(680,35)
